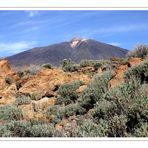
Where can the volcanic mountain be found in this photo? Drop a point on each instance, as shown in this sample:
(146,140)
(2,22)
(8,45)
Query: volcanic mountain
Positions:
(77,49)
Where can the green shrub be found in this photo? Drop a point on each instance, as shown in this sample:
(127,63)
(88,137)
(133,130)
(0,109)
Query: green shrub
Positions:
(69,110)
(36,96)
(89,129)
(117,126)
(32,70)
(95,90)
(143,90)
(14,129)
(22,100)
(41,130)
(138,73)
(10,112)
(69,66)
(87,63)
(123,95)
(26,129)
(4,132)
(66,62)
(9,80)
(97,66)
(92,63)
(20,74)
(124,61)
(52,110)
(104,110)
(141,130)
(67,92)
(131,101)
(73,109)
(138,111)
(140,51)
(47,66)
(57,113)
(60,114)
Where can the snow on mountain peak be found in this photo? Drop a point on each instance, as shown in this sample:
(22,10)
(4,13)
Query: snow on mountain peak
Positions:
(75,41)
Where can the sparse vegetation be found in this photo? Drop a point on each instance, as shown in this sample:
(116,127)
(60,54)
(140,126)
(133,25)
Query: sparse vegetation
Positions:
(89,129)
(139,72)
(93,93)
(70,66)
(32,70)
(20,74)
(47,66)
(141,130)
(9,80)
(10,112)
(36,96)
(22,100)
(26,129)
(67,93)
(140,51)
(88,108)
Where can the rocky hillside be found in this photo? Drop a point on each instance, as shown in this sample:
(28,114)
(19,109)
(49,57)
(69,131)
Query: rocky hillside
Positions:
(99,99)
(77,49)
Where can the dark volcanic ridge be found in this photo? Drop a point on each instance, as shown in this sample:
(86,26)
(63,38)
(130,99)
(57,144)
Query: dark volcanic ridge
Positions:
(77,49)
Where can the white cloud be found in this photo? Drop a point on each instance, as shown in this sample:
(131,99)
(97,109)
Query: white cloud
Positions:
(32,13)
(124,28)
(110,30)
(31,29)
(16,47)
(115,43)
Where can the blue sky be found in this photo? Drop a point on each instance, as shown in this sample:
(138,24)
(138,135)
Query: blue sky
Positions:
(22,30)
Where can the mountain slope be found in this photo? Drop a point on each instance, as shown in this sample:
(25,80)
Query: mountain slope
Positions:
(77,49)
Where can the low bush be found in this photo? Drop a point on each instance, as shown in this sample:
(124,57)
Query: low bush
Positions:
(143,90)
(140,51)
(141,130)
(56,113)
(67,93)
(117,126)
(41,130)
(9,80)
(73,109)
(26,129)
(47,66)
(95,90)
(89,63)
(10,112)
(138,73)
(32,70)
(131,102)
(123,95)
(92,63)
(104,110)
(89,129)
(22,100)
(69,66)
(138,111)
(36,96)
(20,74)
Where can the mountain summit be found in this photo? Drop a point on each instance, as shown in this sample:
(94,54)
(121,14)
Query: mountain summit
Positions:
(76,41)
(76,49)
